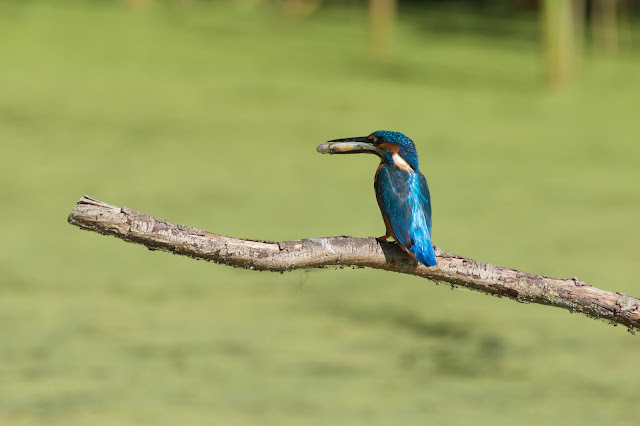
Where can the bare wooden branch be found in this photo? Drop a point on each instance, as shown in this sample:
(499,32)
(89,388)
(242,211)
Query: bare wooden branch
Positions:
(158,234)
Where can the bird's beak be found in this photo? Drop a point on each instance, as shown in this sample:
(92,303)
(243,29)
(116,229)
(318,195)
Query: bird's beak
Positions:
(348,146)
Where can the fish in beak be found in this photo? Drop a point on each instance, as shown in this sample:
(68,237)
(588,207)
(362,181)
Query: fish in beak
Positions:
(357,145)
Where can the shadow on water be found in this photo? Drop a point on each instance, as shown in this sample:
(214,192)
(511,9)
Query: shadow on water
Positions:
(442,346)
(445,76)
(498,25)
(403,320)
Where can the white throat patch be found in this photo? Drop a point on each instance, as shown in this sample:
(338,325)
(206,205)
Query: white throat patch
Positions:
(401,163)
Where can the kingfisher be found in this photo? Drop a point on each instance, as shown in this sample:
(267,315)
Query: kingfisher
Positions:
(401,189)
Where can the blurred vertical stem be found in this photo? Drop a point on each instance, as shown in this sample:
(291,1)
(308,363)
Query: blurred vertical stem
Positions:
(382,14)
(558,41)
(604,25)
(579,16)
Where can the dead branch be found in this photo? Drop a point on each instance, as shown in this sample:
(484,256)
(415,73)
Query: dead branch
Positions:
(158,234)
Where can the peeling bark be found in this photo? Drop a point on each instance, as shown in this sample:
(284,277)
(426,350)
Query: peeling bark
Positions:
(158,234)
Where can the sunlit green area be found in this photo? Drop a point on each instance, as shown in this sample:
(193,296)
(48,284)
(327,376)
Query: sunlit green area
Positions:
(209,116)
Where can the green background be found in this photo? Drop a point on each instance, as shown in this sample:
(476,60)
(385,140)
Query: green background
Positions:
(209,116)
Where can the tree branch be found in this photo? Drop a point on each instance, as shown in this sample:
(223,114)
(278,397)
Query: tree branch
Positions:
(158,234)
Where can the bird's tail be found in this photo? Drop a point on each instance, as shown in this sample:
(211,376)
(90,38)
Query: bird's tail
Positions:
(424,253)
(422,249)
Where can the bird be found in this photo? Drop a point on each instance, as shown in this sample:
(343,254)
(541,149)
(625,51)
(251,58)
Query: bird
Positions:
(401,189)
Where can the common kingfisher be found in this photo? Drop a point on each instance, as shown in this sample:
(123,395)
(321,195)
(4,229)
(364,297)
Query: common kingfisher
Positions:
(401,189)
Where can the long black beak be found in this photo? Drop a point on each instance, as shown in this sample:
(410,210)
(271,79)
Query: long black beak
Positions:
(355,145)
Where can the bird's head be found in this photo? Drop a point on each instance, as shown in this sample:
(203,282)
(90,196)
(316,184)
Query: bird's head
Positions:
(392,147)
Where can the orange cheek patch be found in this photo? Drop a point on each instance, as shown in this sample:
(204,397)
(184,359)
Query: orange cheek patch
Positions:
(389,147)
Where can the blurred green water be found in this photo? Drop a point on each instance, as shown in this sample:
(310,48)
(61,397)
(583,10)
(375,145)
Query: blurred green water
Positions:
(210,116)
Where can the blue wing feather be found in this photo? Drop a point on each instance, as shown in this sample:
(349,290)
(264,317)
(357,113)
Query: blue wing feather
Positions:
(406,204)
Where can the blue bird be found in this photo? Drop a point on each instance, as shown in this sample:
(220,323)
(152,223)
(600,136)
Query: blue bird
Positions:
(401,190)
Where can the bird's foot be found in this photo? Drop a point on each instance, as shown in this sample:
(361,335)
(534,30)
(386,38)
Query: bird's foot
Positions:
(384,238)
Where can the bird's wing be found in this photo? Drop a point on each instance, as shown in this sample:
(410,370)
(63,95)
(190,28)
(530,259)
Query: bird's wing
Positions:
(404,199)
(425,198)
